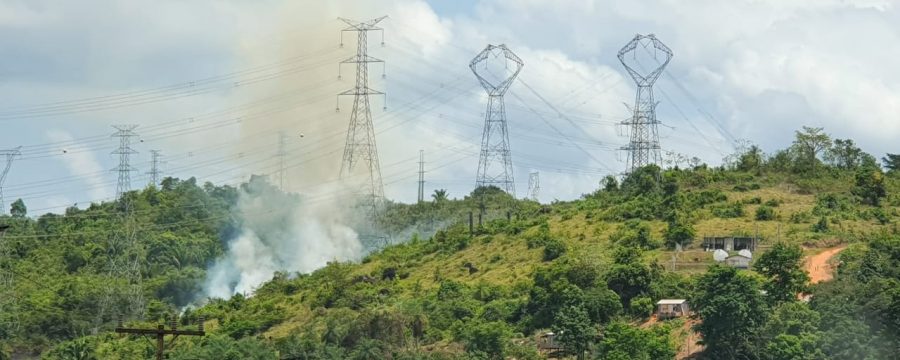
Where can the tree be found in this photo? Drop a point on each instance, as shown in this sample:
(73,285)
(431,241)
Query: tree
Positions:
(751,159)
(576,333)
(18,209)
(601,304)
(781,265)
(891,162)
(625,342)
(490,338)
(609,183)
(679,232)
(628,276)
(439,196)
(844,154)
(808,144)
(732,309)
(870,185)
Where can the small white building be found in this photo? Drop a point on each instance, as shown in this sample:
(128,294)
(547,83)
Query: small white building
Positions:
(738,261)
(670,308)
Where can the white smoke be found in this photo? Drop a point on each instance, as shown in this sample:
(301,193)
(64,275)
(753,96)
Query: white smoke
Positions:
(282,232)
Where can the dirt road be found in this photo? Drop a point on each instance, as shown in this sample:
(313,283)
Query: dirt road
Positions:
(818,267)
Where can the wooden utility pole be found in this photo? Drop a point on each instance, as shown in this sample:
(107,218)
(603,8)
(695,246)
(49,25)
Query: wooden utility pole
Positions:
(160,332)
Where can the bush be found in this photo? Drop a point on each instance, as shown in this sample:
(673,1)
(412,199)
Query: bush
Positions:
(765,212)
(821,226)
(553,249)
(731,210)
(773,202)
(641,306)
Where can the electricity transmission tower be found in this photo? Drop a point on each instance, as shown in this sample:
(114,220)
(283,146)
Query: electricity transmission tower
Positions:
(495,163)
(360,160)
(421,176)
(155,163)
(534,185)
(281,154)
(124,289)
(643,147)
(10,155)
(9,309)
(124,133)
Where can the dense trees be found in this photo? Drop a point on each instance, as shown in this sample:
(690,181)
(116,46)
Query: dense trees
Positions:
(781,265)
(732,310)
(585,269)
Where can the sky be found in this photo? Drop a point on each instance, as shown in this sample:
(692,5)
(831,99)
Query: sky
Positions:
(214,85)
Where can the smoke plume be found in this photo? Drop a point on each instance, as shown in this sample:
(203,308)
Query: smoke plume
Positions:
(281,232)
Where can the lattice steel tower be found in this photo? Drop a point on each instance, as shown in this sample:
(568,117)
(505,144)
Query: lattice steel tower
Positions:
(124,133)
(10,155)
(155,164)
(360,160)
(643,147)
(123,296)
(421,196)
(534,185)
(495,163)
(9,306)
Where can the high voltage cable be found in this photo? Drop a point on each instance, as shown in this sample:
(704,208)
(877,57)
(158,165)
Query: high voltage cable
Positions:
(187,89)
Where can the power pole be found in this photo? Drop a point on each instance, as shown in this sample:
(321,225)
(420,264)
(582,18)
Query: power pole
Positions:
(282,153)
(10,155)
(643,148)
(9,309)
(495,163)
(534,185)
(360,159)
(421,176)
(155,170)
(160,332)
(124,133)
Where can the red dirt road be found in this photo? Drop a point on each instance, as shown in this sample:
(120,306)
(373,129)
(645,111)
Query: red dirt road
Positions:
(818,267)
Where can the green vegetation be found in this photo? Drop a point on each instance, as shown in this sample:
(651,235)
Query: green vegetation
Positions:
(589,270)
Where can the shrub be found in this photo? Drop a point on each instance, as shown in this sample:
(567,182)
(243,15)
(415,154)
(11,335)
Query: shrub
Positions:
(765,212)
(730,210)
(641,306)
(821,226)
(553,249)
(773,202)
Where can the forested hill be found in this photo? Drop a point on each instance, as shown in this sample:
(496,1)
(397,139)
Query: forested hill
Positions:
(589,270)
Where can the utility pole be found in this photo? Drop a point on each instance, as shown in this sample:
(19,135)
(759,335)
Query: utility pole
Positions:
(360,159)
(534,185)
(643,148)
(160,332)
(495,162)
(154,166)
(10,155)
(124,133)
(421,176)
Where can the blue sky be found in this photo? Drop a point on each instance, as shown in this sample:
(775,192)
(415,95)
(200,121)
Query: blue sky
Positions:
(742,69)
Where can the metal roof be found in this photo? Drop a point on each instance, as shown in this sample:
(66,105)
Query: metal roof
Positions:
(671,302)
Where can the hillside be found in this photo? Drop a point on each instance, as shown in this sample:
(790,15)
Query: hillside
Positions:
(590,269)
